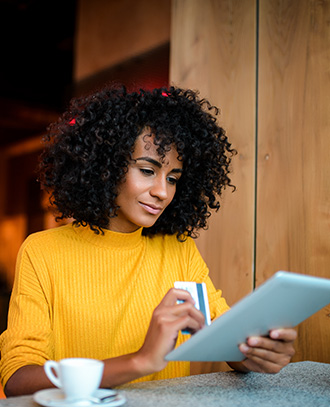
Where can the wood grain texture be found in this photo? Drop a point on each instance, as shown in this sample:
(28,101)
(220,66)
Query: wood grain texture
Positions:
(109,32)
(293,195)
(213,51)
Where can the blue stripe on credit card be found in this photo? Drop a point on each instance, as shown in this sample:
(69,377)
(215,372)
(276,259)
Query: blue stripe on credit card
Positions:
(201,300)
(199,294)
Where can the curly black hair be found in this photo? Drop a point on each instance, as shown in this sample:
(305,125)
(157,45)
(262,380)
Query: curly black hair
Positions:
(87,153)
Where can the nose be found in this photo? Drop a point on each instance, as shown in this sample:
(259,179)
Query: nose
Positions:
(159,188)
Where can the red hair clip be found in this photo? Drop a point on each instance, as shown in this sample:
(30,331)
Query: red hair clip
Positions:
(72,122)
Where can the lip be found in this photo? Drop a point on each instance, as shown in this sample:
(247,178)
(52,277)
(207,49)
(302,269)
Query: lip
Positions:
(153,209)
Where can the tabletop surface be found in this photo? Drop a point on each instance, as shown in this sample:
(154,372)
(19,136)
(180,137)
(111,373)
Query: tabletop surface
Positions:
(299,384)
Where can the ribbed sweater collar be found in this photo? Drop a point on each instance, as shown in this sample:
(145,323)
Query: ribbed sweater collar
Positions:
(110,239)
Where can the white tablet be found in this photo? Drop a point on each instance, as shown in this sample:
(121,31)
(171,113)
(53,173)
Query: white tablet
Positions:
(285,300)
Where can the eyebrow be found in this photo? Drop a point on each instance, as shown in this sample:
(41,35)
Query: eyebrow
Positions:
(157,163)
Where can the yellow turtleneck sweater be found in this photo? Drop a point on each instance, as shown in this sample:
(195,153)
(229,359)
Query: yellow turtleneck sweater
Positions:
(78,294)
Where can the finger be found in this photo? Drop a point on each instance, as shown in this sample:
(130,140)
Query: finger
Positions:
(262,360)
(260,345)
(274,352)
(187,308)
(174,295)
(179,311)
(190,324)
(283,334)
(183,295)
(168,324)
(258,365)
(197,316)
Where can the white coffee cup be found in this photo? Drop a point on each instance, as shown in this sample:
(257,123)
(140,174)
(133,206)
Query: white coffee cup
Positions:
(78,378)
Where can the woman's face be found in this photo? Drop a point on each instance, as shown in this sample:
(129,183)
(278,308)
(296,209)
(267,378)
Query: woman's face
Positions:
(149,186)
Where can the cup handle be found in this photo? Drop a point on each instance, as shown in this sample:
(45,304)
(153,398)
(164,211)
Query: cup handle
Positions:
(48,366)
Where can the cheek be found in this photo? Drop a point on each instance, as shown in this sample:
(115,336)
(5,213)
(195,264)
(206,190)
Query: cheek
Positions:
(134,187)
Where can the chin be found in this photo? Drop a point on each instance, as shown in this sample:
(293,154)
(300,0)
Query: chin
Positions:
(147,224)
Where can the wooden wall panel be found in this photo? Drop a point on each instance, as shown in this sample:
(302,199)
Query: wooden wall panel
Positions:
(293,204)
(213,50)
(109,32)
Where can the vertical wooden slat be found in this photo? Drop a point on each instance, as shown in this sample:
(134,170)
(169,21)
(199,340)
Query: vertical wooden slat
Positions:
(213,50)
(293,205)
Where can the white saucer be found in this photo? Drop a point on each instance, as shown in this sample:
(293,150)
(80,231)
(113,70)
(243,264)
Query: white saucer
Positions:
(56,398)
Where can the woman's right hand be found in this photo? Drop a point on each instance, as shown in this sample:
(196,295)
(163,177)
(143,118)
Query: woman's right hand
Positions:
(167,320)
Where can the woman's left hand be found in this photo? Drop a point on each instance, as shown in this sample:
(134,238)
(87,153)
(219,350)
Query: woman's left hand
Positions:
(267,354)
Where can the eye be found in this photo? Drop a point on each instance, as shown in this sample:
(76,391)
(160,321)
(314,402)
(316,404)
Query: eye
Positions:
(172,180)
(147,171)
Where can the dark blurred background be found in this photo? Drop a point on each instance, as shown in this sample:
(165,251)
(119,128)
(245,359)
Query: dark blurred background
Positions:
(37,68)
(36,71)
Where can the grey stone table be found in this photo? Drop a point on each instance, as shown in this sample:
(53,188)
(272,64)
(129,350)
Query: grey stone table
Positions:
(299,384)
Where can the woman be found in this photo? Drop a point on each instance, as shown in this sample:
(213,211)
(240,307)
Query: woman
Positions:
(139,173)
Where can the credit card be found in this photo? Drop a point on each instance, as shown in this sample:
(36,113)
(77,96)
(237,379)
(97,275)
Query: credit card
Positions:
(199,294)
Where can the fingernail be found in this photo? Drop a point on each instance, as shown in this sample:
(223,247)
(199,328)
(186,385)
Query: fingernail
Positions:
(253,341)
(243,347)
(275,334)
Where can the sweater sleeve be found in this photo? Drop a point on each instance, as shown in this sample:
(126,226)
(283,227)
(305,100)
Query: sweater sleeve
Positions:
(199,272)
(28,339)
